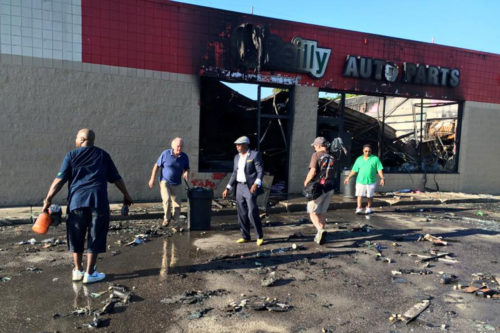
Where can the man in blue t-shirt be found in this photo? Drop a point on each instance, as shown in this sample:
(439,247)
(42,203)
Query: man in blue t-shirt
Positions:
(174,166)
(87,169)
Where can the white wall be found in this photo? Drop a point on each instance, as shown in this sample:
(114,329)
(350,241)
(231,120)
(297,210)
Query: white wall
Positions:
(480,140)
(305,114)
(135,114)
(50,29)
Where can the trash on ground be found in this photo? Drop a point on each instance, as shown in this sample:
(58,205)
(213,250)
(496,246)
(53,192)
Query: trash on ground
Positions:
(96,323)
(34,269)
(411,271)
(31,241)
(258,303)
(139,239)
(99,294)
(447,278)
(5,278)
(193,296)
(109,307)
(424,258)
(435,240)
(297,234)
(415,311)
(362,228)
(198,314)
(269,280)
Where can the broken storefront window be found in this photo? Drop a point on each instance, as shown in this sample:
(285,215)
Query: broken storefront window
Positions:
(227,114)
(410,135)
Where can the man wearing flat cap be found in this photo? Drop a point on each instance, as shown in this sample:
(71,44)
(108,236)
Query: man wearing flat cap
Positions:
(247,176)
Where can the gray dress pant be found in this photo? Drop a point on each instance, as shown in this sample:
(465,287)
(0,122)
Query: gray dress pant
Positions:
(248,211)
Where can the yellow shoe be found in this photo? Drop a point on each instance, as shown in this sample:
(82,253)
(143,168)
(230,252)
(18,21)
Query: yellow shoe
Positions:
(242,240)
(260,241)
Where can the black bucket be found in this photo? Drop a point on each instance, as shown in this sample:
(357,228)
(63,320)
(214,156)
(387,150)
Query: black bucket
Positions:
(200,208)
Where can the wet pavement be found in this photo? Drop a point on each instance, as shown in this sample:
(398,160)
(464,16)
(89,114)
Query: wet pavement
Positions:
(201,281)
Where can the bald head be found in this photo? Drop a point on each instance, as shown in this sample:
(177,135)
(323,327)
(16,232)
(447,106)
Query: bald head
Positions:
(177,145)
(85,138)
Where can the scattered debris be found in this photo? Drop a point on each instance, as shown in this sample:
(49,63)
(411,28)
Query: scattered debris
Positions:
(97,295)
(297,234)
(436,256)
(193,296)
(32,241)
(199,313)
(411,271)
(258,303)
(109,307)
(269,280)
(5,278)
(412,313)
(362,228)
(435,240)
(139,239)
(96,323)
(447,278)
(34,269)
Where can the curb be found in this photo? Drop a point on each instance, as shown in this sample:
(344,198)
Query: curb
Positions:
(281,208)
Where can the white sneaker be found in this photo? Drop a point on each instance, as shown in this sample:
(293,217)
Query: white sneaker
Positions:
(359,210)
(77,275)
(368,210)
(322,234)
(94,277)
(317,237)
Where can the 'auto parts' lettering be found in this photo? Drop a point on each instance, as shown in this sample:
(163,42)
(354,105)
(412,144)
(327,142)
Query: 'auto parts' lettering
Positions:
(376,69)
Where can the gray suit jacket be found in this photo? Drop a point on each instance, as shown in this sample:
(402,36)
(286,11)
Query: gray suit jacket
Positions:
(254,169)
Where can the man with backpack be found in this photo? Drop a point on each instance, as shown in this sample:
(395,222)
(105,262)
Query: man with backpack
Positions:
(320,171)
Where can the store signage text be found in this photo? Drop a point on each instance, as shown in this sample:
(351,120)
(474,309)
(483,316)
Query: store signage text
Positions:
(299,56)
(310,58)
(255,47)
(379,70)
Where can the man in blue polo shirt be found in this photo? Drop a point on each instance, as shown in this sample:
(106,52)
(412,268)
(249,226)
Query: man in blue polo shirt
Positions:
(87,169)
(174,166)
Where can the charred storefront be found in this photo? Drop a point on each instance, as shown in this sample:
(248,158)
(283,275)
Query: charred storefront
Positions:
(142,72)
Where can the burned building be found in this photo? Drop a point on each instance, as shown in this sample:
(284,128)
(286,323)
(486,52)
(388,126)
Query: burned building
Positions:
(142,72)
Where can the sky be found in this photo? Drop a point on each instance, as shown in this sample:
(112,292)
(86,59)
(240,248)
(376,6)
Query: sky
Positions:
(469,24)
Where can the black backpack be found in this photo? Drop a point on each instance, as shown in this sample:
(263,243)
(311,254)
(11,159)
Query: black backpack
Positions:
(326,164)
(316,187)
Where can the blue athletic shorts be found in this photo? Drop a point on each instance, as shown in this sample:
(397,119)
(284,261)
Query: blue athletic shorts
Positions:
(90,222)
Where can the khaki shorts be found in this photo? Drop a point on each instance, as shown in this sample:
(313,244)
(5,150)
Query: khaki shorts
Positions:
(320,204)
(365,190)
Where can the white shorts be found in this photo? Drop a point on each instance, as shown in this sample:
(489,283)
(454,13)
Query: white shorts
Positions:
(365,190)
(320,204)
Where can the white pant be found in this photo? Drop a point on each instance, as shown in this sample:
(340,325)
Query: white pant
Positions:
(365,190)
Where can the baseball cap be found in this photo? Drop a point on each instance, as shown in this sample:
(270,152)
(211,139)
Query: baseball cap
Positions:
(242,140)
(320,141)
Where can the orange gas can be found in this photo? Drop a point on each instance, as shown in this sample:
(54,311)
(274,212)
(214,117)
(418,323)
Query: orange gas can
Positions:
(42,223)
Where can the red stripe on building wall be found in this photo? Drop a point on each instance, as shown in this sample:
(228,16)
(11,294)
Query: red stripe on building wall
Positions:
(180,38)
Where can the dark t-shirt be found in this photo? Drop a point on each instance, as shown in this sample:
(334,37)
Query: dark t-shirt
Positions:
(87,170)
(316,159)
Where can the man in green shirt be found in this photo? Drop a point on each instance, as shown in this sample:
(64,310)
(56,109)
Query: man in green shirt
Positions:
(366,166)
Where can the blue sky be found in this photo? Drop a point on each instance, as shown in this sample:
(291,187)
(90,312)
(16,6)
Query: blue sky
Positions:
(469,24)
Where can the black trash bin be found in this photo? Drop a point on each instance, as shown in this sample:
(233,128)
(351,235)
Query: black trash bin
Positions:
(350,187)
(200,208)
